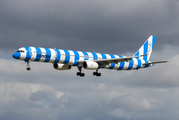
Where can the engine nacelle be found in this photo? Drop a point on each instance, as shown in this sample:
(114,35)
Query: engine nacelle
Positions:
(90,65)
(58,66)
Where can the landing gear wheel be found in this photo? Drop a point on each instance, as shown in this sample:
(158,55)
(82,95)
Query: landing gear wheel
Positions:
(78,73)
(82,75)
(28,68)
(96,73)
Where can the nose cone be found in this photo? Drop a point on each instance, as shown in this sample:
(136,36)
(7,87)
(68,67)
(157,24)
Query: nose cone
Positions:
(16,55)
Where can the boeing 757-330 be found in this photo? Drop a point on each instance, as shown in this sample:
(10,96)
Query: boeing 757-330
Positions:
(65,59)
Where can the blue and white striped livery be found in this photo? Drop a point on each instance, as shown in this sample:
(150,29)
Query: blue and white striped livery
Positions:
(64,59)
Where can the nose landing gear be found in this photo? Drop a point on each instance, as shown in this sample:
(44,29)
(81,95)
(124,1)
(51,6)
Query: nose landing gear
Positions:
(28,66)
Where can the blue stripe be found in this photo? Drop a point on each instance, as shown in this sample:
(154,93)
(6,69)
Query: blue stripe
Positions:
(131,62)
(112,64)
(16,55)
(77,57)
(153,41)
(67,56)
(146,65)
(27,58)
(145,50)
(48,55)
(95,57)
(137,54)
(38,54)
(86,57)
(57,59)
(139,64)
(121,64)
(103,56)
(103,66)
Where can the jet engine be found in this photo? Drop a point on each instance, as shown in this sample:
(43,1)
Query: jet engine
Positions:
(58,66)
(90,65)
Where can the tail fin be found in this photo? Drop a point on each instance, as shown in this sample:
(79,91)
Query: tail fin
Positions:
(146,48)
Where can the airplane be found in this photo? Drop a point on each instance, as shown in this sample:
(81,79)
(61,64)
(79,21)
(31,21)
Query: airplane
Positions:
(65,59)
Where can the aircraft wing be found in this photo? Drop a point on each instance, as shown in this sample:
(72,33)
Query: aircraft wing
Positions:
(154,62)
(112,60)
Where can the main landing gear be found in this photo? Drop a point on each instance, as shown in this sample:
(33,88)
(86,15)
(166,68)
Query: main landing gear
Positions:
(28,66)
(96,73)
(82,74)
(79,73)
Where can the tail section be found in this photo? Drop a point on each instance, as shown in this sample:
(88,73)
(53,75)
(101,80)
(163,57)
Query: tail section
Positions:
(146,48)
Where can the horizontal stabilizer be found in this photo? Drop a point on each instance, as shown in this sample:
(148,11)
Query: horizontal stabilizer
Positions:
(154,62)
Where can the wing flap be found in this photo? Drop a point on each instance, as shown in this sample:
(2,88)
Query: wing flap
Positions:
(113,60)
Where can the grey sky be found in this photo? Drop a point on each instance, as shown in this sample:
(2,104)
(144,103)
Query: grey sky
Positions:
(106,26)
(87,25)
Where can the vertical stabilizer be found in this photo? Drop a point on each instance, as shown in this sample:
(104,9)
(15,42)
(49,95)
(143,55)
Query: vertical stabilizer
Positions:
(146,48)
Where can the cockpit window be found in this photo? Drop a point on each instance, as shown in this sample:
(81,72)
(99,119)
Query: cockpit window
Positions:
(20,51)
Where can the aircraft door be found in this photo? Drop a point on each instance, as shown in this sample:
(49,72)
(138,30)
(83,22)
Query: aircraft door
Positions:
(56,54)
(29,52)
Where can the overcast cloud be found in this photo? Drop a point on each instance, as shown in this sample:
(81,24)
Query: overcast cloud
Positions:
(106,26)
